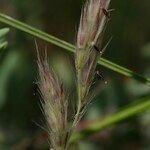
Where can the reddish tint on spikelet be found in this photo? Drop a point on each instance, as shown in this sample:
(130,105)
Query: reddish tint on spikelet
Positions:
(54,104)
(90,35)
(92,22)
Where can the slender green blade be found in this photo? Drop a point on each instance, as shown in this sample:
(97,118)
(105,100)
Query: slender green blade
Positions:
(63,44)
(115,118)
(3,32)
(3,44)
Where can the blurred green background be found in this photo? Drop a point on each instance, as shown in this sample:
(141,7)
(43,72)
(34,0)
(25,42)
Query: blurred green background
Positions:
(19,98)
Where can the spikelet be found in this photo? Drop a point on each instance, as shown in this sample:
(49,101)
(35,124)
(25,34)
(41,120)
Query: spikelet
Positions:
(92,22)
(54,105)
(89,46)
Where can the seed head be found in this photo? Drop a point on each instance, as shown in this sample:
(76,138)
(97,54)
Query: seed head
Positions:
(54,104)
(90,34)
(92,22)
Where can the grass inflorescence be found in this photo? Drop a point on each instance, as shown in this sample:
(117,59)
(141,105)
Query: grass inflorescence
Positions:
(54,96)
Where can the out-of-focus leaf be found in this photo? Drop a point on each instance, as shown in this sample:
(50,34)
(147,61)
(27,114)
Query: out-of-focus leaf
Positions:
(3,42)
(137,89)
(146,50)
(3,32)
(63,68)
(6,69)
(132,110)
(145,122)
(3,45)
(88,146)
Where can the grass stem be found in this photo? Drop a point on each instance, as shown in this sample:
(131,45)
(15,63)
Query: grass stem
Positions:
(69,47)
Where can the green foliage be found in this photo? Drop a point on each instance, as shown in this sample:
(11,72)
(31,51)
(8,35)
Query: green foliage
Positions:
(7,68)
(3,42)
(125,113)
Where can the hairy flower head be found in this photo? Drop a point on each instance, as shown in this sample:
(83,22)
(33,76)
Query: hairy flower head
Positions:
(94,15)
(92,22)
(54,104)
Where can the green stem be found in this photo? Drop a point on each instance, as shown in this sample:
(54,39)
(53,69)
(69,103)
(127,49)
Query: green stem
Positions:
(79,104)
(51,39)
(35,32)
(124,71)
(125,113)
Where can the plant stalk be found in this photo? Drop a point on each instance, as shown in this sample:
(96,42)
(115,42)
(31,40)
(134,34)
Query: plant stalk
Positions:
(69,47)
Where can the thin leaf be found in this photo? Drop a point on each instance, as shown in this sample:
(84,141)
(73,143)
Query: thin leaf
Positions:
(3,44)
(71,48)
(113,119)
(3,32)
